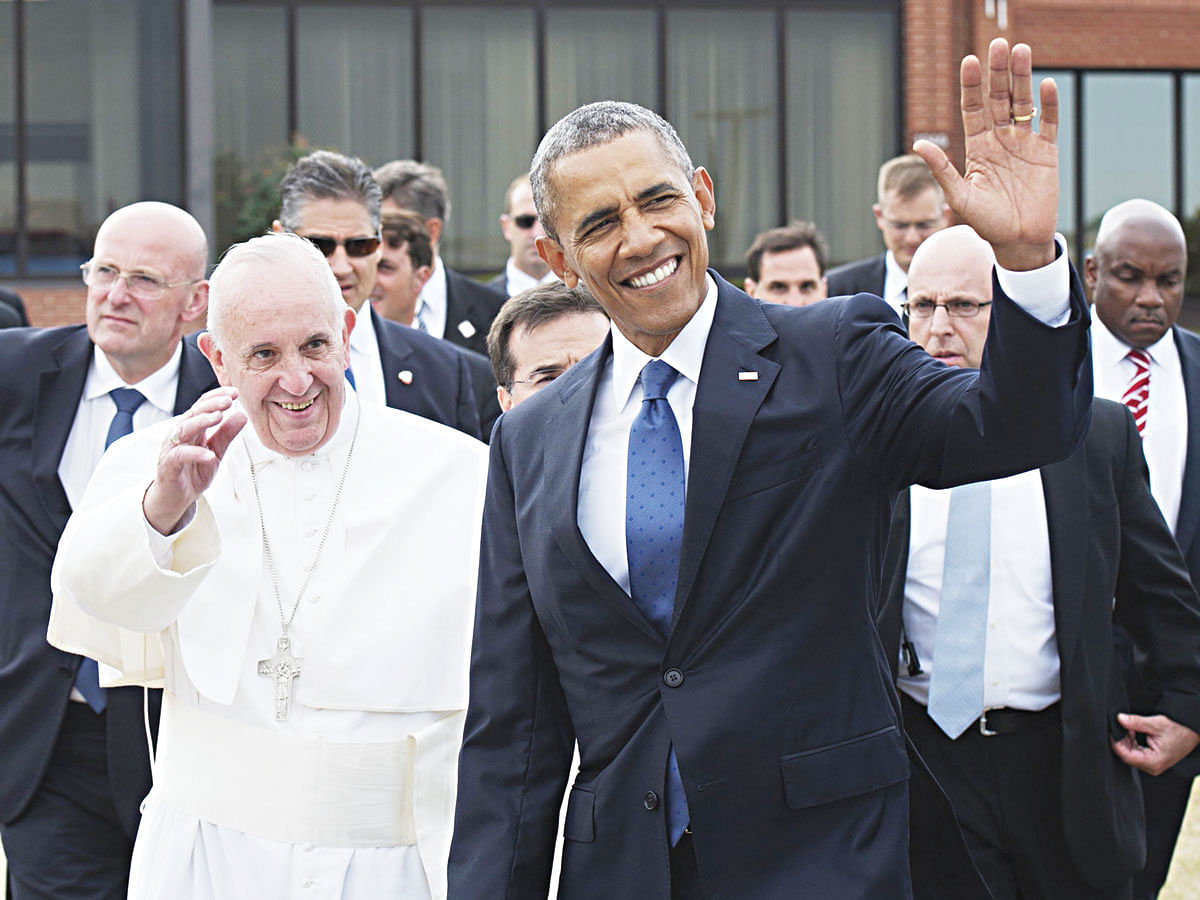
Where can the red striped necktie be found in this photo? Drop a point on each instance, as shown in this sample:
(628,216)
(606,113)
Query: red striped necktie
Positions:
(1137,395)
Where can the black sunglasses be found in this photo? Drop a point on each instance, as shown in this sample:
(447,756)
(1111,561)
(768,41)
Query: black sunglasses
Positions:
(525,222)
(357,246)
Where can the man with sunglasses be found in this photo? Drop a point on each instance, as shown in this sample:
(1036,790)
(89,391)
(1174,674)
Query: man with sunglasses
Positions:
(521,228)
(997,616)
(75,760)
(334,202)
(909,208)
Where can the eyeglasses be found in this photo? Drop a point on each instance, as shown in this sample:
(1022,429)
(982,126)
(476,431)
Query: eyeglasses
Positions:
(923,225)
(139,285)
(524,222)
(540,379)
(355,246)
(962,309)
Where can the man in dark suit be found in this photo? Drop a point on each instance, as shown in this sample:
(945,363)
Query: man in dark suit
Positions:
(1009,682)
(451,305)
(910,206)
(12,310)
(683,534)
(334,202)
(1143,358)
(76,766)
(521,227)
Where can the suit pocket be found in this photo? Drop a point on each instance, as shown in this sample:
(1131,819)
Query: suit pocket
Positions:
(761,477)
(845,769)
(580,806)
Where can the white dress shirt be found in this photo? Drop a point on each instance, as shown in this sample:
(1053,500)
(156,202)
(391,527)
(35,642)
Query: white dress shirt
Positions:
(517,281)
(432,301)
(1165,437)
(1021,666)
(895,281)
(364,358)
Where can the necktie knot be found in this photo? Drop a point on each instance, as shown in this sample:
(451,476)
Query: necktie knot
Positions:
(1139,358)
(657,378)
(127,399)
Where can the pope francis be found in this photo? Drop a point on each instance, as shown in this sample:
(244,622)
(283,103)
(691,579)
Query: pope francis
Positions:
(304,591)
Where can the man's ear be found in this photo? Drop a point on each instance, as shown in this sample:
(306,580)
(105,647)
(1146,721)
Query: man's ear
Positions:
(505,398)
(749,285)
(1090,271)
(434,226)
(277,226)
(878,212)
(552,255)
(348,319)
(420,276)
(702,187)
(216,359)
(197,303)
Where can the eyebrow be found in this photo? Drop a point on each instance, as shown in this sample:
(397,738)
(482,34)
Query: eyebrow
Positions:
(603,213)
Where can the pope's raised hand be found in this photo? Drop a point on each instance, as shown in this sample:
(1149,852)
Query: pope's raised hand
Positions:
(1009,189)
(190,456)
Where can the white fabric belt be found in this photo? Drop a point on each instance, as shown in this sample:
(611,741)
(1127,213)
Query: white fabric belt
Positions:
(284,788)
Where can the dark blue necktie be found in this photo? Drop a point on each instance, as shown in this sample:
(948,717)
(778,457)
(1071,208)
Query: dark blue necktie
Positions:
(654,500)
(350,377)
(87,679)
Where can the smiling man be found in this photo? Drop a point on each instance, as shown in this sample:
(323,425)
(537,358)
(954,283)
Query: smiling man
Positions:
(312,642)
(683,532)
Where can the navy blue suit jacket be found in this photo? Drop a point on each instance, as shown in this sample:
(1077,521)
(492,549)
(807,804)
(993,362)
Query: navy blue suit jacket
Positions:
(864,276)
(470,307)
(785,721)
(42,372)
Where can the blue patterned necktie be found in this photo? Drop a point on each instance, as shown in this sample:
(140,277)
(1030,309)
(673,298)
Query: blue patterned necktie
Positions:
(654,501)
(87,678)
(956,685)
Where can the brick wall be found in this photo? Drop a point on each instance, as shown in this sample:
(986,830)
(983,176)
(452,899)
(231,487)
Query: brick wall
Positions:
(49,305)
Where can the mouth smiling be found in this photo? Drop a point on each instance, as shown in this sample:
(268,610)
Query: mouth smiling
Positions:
(649,279)
(298,407)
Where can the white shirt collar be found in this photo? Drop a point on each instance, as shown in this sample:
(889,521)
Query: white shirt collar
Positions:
(1110,351)
(895,280)
(434,291)
(518,281)
(684,354)
(363,338)
(159,388)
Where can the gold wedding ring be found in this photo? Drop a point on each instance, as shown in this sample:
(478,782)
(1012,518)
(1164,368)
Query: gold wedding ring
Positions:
(1021,120)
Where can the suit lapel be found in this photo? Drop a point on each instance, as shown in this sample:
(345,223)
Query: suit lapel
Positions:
(724,408)
(562,463)
(1064,486)
(59,390)
(889,619)
(195,377)
(394,358)
(1189,503)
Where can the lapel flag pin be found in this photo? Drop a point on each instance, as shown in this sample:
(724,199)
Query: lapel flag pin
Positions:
(405,376)
(466,329)
(747,376)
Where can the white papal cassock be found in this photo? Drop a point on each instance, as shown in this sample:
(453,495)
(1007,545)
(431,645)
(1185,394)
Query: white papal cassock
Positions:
(352,796)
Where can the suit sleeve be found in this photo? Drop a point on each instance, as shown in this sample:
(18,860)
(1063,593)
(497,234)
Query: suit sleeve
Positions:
(912,420)
(466,407)
(1155,601)
(518,739)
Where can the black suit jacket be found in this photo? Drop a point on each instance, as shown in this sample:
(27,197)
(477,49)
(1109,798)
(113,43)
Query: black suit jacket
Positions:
(773,686)
(11,302)
(42,372)
(470,308)
(500,283)
(1107,540)
(865,276)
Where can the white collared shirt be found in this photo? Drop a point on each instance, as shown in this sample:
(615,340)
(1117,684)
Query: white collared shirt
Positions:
(602,488)
(1021,665)
(85,443)
(433,296)
(895,281)
(1165,438)
(517,281)
(364,358)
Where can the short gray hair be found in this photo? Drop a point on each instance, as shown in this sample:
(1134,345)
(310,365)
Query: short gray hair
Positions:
(417,186)
(245,265)
(325,175)
(590,126)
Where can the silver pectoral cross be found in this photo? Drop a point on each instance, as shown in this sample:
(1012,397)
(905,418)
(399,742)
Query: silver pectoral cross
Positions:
(282,667)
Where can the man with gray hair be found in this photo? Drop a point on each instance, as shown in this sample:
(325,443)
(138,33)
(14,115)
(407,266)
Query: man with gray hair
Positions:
(333,201)
(312,643)
(451,305)
(683,533)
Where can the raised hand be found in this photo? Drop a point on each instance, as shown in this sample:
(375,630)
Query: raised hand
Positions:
(1009,190)
(190,456)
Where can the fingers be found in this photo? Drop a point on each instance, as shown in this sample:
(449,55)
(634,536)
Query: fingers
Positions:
(975,117)
(944,173)
(231,427)
(999,97)
(1048,111)
(1022,87)
(1139,724)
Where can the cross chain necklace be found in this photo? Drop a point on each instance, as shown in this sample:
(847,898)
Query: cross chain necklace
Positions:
(283,667)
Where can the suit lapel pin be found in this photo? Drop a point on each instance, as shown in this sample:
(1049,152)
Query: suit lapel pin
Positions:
(466,329)
(405,376)
(747,376)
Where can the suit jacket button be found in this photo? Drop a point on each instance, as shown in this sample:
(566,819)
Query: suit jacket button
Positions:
(672,678)
(650,801)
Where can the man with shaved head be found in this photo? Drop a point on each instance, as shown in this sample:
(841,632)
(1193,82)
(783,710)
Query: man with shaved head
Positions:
(1007,588)
(1142,358)
(75,759)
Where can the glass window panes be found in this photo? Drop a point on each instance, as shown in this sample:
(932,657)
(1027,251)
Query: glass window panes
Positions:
(722,98)
(841,119)
(1191,145)
(8,136)
(354,75)
(626,70)
(479,114)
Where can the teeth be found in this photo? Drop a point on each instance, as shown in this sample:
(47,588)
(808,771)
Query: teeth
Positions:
(667,268)
(296,407)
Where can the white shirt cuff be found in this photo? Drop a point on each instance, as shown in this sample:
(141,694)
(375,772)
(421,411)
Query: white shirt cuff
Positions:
(1044,293)
(162,546)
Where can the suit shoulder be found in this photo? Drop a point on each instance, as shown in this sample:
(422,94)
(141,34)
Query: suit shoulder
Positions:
(467,285)
(424,346)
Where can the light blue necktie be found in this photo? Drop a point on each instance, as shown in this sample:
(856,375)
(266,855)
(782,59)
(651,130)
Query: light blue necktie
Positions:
(654,499)
(87,678)
(956,685)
